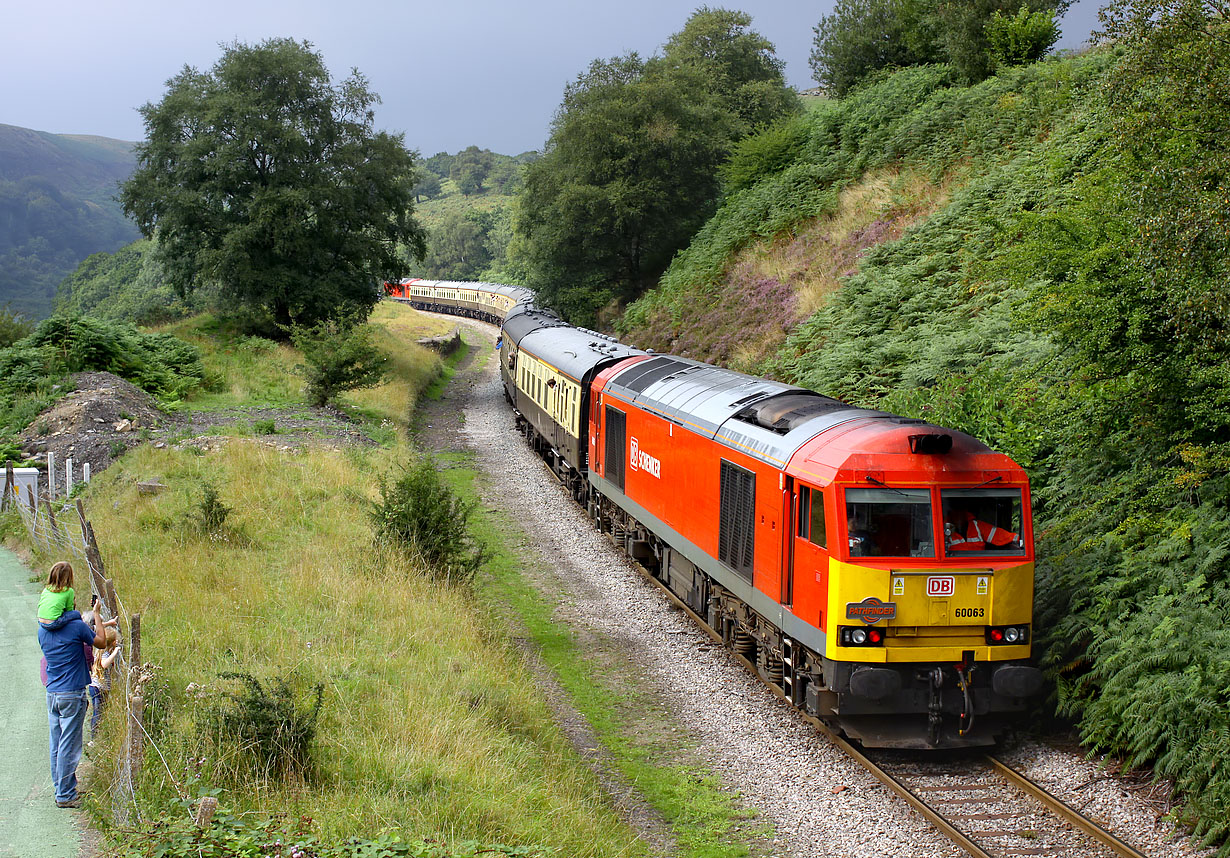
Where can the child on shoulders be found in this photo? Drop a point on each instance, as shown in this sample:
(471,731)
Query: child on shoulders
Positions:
(58,596)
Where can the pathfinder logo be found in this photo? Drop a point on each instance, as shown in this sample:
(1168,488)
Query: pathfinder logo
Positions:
(871,610)
(642,461)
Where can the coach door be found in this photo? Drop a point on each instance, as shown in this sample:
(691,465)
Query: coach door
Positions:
(616,433)
(809,573)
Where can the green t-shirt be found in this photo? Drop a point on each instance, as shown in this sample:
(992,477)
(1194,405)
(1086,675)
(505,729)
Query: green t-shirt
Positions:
(52,604)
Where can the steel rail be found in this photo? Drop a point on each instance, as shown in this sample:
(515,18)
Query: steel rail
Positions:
(1063,810)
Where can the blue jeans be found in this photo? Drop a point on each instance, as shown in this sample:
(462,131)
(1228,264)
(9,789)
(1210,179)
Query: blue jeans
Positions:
(96,705)
(66,717)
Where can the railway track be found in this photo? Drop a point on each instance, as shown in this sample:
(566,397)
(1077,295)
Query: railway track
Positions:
(983,805)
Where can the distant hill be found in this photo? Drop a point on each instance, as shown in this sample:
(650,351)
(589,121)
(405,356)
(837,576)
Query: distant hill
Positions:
(57,207)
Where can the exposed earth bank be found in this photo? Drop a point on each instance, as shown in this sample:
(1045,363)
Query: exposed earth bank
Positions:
(104,416)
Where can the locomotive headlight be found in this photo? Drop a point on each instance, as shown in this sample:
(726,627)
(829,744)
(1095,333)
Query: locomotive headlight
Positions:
(1012,634)
(859,636)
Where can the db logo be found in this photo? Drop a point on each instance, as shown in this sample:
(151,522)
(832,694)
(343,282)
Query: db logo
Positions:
(941,586)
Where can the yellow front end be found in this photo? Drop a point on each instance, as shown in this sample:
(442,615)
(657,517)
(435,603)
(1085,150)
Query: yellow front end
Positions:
(944,627)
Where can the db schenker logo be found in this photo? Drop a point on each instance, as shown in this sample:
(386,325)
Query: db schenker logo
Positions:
(871,610)
(642,461)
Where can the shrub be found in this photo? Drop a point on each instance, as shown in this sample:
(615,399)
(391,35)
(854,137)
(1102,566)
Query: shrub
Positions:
(265,427)
(1021,38)
(211,512)
(420,513)
(340,356)
(272,727)
(763,154)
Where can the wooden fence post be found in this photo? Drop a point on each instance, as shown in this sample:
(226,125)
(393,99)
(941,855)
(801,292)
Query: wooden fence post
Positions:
(205,810)
(10,487)
(137,746)
(92,556)
(51,516)
(113,602)
(134,649)
(136,706)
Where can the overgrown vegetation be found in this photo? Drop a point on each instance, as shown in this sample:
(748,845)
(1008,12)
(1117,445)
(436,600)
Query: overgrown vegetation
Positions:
(229,834)
(264,726)
(1064,300)
(34,370)
(976,37)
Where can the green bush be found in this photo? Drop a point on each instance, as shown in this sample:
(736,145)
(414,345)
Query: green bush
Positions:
(211,512)
(1021,38)
(420,513)
(760,155)
(340,356)
(269,726)
(265,427)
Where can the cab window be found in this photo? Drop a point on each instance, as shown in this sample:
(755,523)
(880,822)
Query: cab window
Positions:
(889,523)
(982,522)
(811,517)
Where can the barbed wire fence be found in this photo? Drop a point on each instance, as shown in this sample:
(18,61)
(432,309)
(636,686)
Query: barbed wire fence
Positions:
(69,534)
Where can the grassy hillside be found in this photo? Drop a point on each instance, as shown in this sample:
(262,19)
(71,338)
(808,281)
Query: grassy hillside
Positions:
(1039,260)
(56,208)
(264,594)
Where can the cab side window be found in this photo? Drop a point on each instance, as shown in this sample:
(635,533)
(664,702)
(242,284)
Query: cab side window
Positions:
(811,524)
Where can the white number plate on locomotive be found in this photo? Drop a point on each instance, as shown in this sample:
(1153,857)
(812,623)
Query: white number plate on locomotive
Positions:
(944,585)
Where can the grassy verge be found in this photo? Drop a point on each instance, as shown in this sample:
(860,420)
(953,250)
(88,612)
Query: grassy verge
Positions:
(703,818)
(430,724)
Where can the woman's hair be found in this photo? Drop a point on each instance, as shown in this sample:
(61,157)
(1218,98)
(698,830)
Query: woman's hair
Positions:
(60,578)
(111,636)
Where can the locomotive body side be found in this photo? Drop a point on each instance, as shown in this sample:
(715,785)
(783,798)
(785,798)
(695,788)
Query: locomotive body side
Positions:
(736,491)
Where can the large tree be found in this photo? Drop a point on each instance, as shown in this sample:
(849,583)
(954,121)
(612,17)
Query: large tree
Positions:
(739,64)
(265,181)
(630,170)
(628,175)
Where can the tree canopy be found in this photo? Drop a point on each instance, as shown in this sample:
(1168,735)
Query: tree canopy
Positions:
(265,182)
(863,36)
(630,170)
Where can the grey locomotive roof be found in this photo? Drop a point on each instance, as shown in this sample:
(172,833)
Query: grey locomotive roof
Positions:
(765,419)
(573,351)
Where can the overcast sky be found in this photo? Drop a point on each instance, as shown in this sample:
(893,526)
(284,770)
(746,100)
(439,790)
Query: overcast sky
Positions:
(451,73)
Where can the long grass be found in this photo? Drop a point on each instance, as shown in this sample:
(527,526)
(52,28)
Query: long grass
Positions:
(431,725)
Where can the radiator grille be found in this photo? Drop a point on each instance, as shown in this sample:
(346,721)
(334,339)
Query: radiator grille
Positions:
(615,446)
(736,529)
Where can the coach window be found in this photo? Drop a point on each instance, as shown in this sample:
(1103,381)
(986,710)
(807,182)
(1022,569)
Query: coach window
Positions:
(811,517)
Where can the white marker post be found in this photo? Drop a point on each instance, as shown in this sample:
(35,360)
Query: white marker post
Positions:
(85,472)
(68,477)
(51,476)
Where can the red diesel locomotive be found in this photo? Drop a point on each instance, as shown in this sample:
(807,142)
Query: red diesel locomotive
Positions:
(877,569)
